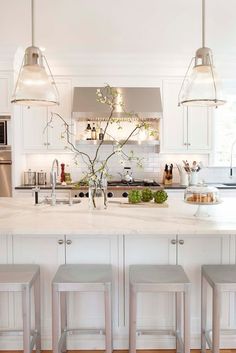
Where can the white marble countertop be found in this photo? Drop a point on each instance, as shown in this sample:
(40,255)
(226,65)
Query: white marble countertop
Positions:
(20,216)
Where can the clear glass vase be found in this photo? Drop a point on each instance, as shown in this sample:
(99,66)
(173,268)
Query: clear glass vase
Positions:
(98,193)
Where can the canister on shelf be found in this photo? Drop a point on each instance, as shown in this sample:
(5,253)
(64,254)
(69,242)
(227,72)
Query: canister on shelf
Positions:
(41,178)
(29,178)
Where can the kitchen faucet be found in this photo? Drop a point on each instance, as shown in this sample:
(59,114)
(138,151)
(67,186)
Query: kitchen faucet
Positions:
(53,178)
(231,159)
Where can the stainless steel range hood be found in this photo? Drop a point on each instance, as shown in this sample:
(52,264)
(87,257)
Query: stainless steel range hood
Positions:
(144,101)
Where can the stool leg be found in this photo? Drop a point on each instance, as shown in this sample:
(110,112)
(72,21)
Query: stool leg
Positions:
(26,319)
(63,319)
(216,321)
(108,318)
(37,314)
(187,319)
(178,318)
(132,319)
(55,319)
(203,313)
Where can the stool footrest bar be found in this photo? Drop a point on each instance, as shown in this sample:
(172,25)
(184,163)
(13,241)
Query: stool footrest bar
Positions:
(16,333)
(95,331)
(161,332)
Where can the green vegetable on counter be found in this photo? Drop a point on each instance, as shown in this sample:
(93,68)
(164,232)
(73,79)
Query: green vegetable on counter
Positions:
(160,196)
(135,196)
(147,195)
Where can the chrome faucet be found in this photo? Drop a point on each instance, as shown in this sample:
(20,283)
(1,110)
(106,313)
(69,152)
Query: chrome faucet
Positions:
(231,159)
(53,178)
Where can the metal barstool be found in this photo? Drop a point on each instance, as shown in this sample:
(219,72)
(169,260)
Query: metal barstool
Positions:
(221,278)
(79,278)
(21,278)
(161,278)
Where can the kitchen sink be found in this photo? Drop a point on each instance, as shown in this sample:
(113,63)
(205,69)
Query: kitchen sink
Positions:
(62,201)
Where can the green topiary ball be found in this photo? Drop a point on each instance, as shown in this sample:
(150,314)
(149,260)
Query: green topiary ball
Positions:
(147,195)
(160,196)
(135,196)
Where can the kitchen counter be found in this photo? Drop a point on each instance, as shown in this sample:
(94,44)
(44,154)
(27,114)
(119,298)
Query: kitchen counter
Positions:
(121,236)
(174,186)
(19,215)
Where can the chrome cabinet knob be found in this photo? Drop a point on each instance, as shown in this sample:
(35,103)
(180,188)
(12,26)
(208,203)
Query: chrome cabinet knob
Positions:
(185,144)
(69,242)
(181,241)
(173,241)
(60,241)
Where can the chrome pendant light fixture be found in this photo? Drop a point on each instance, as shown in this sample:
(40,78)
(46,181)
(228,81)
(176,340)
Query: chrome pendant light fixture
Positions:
(202,87)
(35,85)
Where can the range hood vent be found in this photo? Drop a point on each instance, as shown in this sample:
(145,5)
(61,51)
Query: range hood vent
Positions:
(144,101)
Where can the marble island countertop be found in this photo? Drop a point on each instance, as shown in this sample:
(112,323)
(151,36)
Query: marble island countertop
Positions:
(21,216)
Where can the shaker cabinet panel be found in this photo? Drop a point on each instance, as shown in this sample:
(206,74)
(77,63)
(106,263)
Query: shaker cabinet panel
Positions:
(155,311)
(55,139)
(199,120)
(86,310)
(174,127)
(193,252)
(184,129)
(5,89)
(39,132)
(34,127)
(45,251)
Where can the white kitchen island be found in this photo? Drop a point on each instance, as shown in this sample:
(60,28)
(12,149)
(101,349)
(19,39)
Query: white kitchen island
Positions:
(50,236)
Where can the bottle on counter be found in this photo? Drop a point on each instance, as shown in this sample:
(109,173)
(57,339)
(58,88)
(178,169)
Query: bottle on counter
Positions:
(62,173)
(88,131)
(93,133)
(101,135)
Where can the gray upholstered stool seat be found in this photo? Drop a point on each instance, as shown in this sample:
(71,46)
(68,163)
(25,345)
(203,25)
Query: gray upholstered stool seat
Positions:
(161,278)
(21,278)
(221,278)
(80,278)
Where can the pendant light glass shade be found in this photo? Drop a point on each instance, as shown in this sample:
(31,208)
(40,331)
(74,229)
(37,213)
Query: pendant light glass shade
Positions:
(34,86)
(202,87)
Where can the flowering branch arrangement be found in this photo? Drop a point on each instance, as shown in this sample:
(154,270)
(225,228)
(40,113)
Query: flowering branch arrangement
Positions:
(98,169)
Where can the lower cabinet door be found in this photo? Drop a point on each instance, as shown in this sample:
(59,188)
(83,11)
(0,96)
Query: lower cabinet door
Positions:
(154,311)
(45,251)
(193,252)
(86,310)
(4,297)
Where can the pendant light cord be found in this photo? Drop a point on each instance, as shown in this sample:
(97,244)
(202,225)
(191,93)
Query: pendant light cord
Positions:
(203,23)
(32,22)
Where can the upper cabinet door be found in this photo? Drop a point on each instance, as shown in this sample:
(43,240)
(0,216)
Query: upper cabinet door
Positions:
(199,122)
(174,133)
(5,89)
(56,129)
(34,127)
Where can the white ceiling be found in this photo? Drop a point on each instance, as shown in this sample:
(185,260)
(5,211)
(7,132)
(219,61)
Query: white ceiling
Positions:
(119,26)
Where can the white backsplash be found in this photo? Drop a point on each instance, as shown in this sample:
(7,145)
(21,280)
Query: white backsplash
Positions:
(153,164)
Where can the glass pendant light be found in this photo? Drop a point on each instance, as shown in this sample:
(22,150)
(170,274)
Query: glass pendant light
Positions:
(35,85)
(202,87)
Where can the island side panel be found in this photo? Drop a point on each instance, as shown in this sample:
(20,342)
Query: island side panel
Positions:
(193,252)
(86,310)
(45,251)
(154,311)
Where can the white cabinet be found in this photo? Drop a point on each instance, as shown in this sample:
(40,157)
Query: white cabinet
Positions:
(39,132)
(183,129)
(5,89)
(86,310)
(153,310)
(45,251)
(193,252)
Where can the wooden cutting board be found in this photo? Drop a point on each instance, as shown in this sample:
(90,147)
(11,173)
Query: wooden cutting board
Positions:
(141,204)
